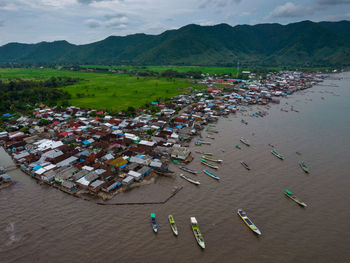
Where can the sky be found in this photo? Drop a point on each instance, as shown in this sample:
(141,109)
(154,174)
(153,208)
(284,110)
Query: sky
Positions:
(86,21)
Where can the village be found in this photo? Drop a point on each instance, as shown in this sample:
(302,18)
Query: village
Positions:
(91,153)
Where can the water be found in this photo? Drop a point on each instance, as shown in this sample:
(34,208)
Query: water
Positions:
(41,224)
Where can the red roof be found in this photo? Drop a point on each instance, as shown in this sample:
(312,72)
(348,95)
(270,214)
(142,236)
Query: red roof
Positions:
(65,133)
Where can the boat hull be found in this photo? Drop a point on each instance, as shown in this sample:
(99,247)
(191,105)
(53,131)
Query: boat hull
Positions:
(246,220)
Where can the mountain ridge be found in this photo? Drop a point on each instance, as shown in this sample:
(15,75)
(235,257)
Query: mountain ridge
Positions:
(304,43)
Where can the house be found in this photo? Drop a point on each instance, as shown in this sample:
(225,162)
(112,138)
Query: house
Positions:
(179,152)
(128,180)
(137,176)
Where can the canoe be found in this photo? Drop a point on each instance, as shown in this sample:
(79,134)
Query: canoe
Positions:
(211,130)
(244,141)
(277,155)
(154,222)
(203,161)
(211,174)
(197,233)
(237,146)
(212,159)
(245,165)
(193,181)
(304,167)
(188,170)
(201,152)
(248,222)
(294,198)
(203,141)
(173,225)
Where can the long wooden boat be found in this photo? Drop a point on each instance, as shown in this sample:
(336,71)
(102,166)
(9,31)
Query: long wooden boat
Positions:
(173,225)
(277,155)
(244,141)
(193,181)
(197,233)
(154,222)
(245,165)
(203,161)
(294,198)
(212,159)
(304,167)
(248,222)
(203,141)
(211,174)
(201,152)
(188,170)
(238,147)
(212,131)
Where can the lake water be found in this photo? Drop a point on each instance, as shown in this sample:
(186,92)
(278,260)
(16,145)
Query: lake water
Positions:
(42,224)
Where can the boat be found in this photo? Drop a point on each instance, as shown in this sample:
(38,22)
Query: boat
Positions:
(197,143)
(294,198)
(238,147)
(188,170)
(248,222)
(197,233)
(203,141)
(245,165)
(210,137)
(203,161)
(212,131)
(193,181)
(154,222)
(211,174)
(244,141)
(277,155)
(212,159)
(173,225)
(201,152)
(304,167)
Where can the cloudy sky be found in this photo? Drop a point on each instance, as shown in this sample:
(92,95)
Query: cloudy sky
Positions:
(85,21)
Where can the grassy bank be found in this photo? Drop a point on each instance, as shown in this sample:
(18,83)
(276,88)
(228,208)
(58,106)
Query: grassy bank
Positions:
(106,91)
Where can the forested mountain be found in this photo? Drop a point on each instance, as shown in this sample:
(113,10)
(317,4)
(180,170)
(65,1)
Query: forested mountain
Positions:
(303,44)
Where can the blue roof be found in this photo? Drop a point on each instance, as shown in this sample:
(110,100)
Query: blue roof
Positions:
(86,142)
(179,126)
(6,115)
(124,165)
(37,167)
(154,103)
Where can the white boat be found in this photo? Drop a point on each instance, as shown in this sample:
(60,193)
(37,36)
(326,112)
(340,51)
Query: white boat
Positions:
(193,181)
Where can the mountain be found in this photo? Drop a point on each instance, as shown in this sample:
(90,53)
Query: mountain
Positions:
(304,43)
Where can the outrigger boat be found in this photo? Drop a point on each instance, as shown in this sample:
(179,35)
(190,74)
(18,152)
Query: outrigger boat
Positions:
(277,155)
(173,225)
(247,221)
(190,179)
(201,152)
(203,142)
(154,222)
(238,147)
(211,174)
(304,167)
(203,161)
(244,141)
(212,159)
(188,170)
(197,233)
(245,165)
(294,198)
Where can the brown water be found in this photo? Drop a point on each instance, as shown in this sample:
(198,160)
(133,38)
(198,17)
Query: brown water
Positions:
(41,224)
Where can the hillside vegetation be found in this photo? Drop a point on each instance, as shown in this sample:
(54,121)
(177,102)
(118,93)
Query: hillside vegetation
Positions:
(299,44)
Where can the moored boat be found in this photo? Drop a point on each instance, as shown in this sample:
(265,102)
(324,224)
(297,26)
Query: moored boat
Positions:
(188,170)
(154,222)
(211,174)
(197,233)
(173,225)
(212,159)
(203,161)
(294,198)
(304,167)
(248,222)
(244,141)
(201,152)
(277,155)
(193,181)
(237,146)
(245,165)
(203,141)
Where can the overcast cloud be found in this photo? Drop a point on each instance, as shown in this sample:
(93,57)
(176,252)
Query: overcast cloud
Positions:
(86,21)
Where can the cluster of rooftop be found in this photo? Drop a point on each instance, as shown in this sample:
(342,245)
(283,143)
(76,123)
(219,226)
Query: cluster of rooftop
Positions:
(84,151)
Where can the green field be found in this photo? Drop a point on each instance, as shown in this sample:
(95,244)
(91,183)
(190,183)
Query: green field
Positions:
(107,91)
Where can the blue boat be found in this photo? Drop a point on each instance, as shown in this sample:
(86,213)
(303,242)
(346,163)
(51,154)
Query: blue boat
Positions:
(211,174)
(154,222)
